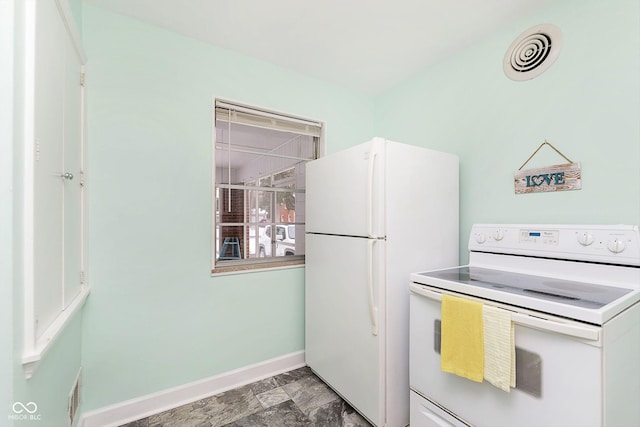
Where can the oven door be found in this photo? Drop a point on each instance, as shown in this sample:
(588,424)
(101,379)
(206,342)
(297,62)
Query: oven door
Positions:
(558,371)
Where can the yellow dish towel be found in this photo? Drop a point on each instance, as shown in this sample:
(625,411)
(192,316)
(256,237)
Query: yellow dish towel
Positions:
(462,344)
(499,348)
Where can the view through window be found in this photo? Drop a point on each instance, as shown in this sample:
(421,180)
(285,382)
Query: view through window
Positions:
(260,159)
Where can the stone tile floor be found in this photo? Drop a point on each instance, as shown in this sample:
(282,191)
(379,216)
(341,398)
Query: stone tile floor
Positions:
(294,398)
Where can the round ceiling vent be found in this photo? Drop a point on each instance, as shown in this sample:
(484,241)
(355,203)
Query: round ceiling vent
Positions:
(533,52)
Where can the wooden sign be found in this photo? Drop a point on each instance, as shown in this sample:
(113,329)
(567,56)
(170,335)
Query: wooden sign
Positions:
(551,178)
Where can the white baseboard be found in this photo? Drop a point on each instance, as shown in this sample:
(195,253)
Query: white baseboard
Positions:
(141,407)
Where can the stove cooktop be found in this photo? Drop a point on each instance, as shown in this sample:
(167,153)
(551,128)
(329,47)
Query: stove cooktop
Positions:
(589,273)
(578,294)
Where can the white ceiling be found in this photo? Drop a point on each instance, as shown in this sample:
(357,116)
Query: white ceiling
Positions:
(364,45)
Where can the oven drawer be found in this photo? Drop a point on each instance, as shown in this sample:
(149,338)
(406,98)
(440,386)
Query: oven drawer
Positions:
(426,414)
(561,381)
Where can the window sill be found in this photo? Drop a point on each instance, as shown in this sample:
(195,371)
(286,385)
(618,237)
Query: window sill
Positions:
(34,354)
(255,267)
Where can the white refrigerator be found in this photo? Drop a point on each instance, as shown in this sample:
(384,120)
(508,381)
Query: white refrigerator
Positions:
(375,213)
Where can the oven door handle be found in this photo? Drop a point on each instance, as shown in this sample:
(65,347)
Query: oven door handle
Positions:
(572,330)
(577,331)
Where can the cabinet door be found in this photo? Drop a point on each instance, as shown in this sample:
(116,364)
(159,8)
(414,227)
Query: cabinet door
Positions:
(57,202)
(72,185)
(48,166)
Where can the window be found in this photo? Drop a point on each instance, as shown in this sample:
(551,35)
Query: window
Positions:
(259,183)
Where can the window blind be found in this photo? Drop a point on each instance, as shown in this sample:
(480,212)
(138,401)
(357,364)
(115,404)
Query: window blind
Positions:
(236,113)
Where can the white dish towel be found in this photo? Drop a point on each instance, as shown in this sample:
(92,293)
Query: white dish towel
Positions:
(499,348)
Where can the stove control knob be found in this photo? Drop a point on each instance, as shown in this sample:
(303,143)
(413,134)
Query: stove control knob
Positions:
(585,239)
(616,246)
(498,235)
(481,238)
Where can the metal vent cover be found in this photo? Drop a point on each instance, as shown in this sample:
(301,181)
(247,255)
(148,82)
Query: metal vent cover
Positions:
(535,50)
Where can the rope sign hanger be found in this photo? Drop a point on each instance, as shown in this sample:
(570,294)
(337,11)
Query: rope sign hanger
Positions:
(550,178)
(538,149)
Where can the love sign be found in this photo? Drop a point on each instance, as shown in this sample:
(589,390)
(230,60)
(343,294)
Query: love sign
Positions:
(551,178)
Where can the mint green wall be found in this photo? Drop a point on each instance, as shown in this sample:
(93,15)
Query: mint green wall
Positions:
(52,381)
(76,10)
(587,104)
(156,318)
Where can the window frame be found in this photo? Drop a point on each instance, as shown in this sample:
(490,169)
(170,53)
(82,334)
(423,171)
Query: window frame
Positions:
(255,264)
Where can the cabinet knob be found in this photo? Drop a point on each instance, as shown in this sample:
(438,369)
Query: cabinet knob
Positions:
(67,175)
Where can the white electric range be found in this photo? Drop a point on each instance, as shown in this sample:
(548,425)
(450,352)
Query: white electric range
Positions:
(573,292)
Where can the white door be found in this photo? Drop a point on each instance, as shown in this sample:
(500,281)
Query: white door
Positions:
(344,191)
(342,310)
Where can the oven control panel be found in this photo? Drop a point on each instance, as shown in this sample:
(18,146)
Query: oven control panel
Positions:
(540,237)
(619,244)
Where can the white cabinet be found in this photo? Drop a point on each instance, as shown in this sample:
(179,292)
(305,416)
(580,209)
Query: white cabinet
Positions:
(54,285)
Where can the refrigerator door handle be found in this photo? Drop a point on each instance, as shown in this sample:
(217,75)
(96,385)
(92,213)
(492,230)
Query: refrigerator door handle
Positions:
(372,160)
(373,310)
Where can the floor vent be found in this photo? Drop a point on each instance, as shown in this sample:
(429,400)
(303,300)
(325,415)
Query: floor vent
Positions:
(74,399)
(532,52)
